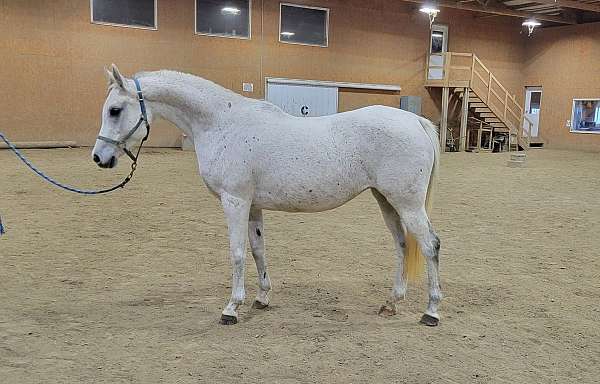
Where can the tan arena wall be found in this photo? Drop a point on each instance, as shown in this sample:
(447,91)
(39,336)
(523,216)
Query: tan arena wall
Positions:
(53,84)
(565,61)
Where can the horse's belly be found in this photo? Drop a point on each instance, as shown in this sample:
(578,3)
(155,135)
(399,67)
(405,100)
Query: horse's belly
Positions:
(305,199)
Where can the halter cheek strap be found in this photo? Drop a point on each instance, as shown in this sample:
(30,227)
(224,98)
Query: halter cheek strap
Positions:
(121,143)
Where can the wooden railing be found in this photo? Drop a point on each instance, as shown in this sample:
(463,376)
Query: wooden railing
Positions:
(465,70)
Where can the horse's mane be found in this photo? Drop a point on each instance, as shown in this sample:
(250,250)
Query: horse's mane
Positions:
(176,76)
(200,83)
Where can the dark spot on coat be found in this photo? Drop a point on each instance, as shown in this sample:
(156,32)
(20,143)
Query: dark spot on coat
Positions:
(436,243)
(310,190)
(258,232)
(229,105)
(265,275)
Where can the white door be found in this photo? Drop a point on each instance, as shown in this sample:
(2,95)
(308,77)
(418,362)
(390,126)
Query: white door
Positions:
(303,100)
(533,103)
(438,44)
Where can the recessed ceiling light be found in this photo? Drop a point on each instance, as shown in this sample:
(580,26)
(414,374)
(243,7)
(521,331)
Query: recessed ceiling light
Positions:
(230,11)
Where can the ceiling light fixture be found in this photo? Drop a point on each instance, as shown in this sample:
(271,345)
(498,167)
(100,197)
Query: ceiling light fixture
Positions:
(431,12)
(531,24)
(230,11)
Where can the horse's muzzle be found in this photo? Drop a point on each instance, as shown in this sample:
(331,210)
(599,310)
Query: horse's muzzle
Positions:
(111,163)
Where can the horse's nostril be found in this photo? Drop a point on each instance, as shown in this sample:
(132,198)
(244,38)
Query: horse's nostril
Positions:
(113,160)
(96,159)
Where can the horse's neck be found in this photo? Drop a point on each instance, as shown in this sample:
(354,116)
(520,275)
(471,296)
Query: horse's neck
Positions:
(192,104)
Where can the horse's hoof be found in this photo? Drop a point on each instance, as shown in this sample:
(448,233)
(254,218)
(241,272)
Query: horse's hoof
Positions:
(258,305)
(386,311)
(228,320)
(429,320)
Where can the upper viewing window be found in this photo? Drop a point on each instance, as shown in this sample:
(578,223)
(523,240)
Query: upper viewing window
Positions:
(128,13)
(227,18)
(303,25)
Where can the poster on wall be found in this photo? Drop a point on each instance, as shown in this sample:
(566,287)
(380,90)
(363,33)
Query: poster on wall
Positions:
(585,117)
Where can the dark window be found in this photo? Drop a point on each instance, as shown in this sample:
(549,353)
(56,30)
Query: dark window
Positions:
(437,42)
(135,13)
(223,17)
(303,25)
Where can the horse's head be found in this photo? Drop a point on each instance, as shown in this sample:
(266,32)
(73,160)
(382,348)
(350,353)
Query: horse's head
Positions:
(123,123)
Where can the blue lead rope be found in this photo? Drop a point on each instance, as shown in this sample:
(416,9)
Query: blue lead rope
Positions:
(41,174)
(50,180)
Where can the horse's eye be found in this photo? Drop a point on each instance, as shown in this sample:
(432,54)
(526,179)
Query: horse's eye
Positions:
(114,111)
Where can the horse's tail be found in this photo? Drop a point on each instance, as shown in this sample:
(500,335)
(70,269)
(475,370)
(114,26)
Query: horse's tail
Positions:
(413,258)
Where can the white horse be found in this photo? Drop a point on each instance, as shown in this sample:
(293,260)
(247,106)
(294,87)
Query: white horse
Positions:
(253,156)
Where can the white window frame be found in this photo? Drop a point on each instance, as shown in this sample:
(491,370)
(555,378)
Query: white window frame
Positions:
(155,28)
(571,129)
(281,5)
(249,37)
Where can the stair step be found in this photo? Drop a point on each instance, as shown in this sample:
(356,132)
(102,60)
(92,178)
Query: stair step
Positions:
(482,110)
(459,91)
(475,100)
(477,105)
(485,114)
(497,125)
(492,120)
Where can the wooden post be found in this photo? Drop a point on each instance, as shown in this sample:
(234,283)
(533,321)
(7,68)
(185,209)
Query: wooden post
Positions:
(463,121)
(444,118)
(479,133)
(472,69)
(447,60)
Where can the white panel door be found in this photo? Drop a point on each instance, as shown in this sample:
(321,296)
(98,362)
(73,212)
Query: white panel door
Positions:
(304,100)
(533,104)
(438,45)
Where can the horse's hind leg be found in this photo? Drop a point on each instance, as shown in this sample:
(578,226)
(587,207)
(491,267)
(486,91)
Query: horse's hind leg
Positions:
(417,223)
(392,221)
(256,235)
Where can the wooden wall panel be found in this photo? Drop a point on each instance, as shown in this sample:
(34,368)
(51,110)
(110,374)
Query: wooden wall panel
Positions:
(565,62)
(53,83)
(350,99)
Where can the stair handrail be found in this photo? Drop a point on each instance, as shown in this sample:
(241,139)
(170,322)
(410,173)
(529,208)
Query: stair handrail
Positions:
(508,101)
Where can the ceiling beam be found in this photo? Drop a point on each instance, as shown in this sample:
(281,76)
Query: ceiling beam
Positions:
(571,4)
(497,10)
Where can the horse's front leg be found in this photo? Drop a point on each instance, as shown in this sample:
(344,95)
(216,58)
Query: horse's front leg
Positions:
(236,214)
(256,235)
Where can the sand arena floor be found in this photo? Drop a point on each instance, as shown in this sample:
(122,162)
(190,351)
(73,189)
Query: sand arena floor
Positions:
(128,288)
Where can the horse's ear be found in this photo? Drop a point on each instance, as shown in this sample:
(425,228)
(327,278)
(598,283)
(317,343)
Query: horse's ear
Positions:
(109,76)
(117,77)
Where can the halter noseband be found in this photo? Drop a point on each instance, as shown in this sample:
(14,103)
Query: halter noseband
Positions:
(143,119)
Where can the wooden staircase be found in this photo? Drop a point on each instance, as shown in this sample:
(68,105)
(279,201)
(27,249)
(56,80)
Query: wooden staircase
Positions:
(488,100)
(479,111)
